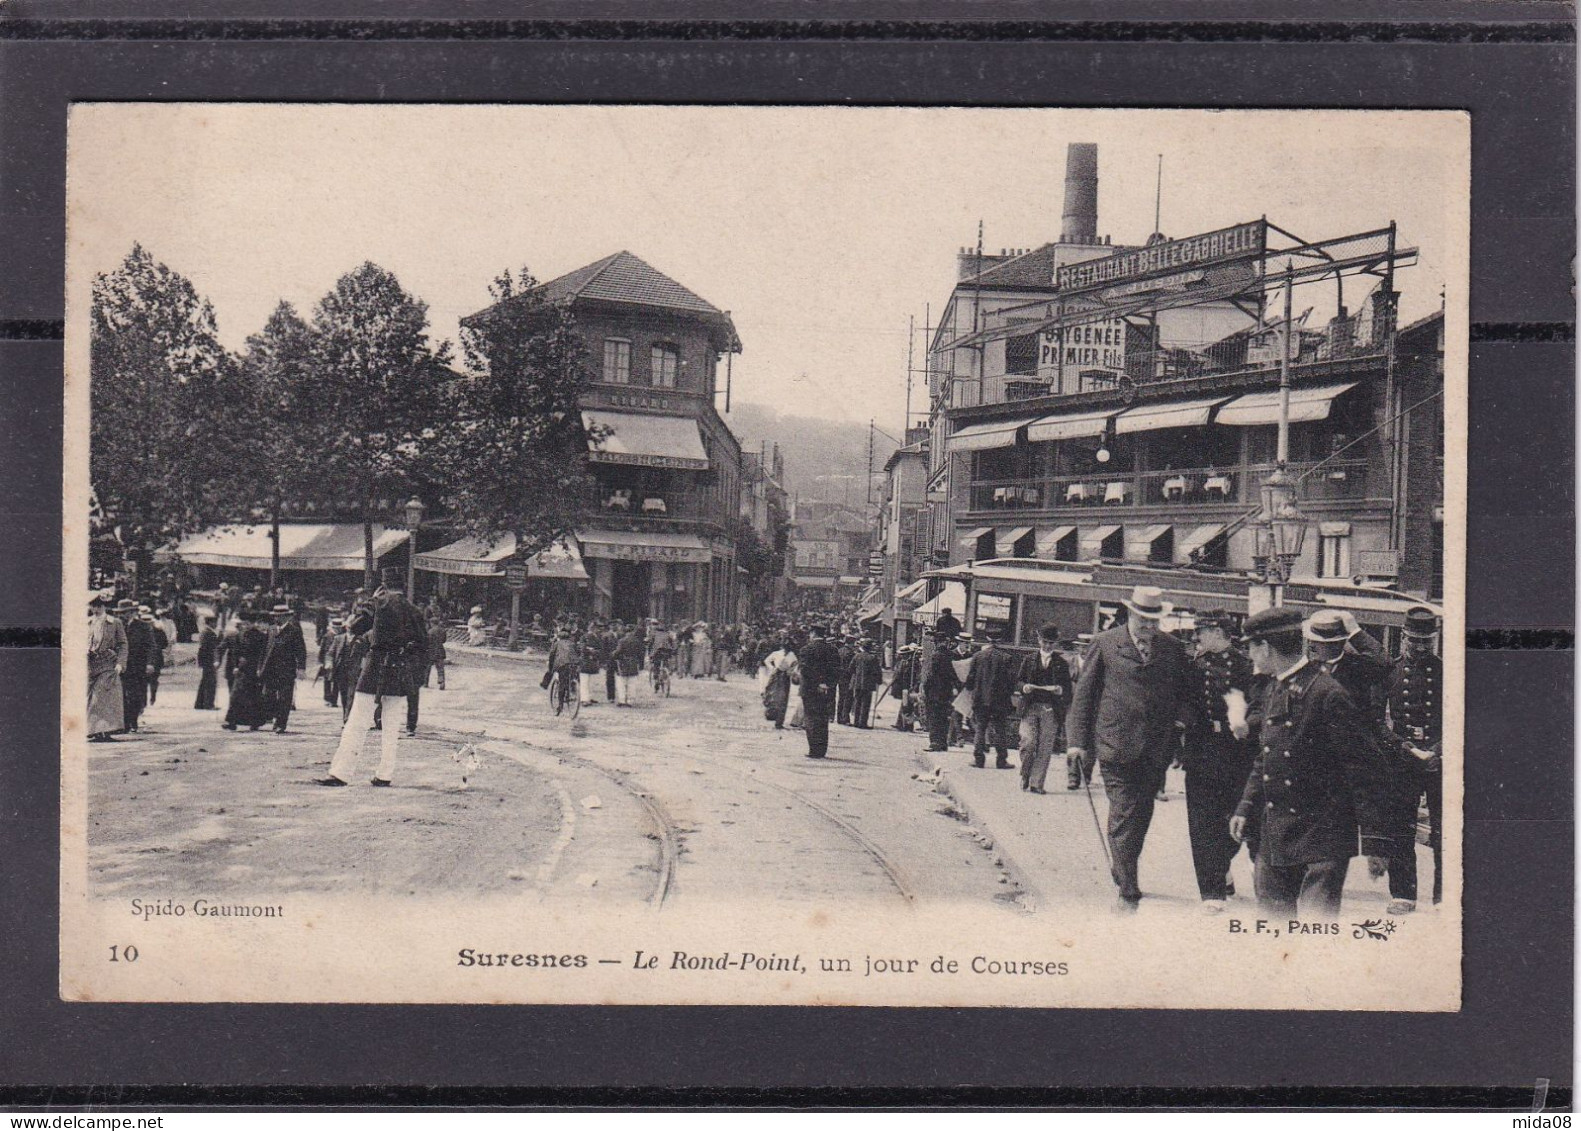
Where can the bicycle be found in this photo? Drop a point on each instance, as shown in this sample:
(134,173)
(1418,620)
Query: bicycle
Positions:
(564,694)
(660,676)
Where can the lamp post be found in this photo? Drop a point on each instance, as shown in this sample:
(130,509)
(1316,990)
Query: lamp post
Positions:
(1280,530)
(414,519)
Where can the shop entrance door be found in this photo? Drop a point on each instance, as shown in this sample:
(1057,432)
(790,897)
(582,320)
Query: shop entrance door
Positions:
(630,596)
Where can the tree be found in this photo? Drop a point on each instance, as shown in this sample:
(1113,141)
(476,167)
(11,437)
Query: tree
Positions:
(163,393)
(382,388)
(515,457)
(280,451)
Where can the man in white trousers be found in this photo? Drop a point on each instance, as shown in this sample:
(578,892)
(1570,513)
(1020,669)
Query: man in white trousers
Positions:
(395,631)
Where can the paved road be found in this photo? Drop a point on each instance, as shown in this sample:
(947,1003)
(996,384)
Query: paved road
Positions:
(691,797)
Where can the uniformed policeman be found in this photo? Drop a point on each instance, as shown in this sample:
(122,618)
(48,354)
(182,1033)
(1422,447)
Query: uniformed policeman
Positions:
(1218,755)
(1416,720)
(1320,775)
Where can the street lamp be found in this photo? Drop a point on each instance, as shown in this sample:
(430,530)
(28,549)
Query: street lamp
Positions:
(1280,530)
(414,519)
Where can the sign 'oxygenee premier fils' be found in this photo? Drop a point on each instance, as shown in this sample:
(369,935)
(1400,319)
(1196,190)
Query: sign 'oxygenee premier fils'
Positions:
(1240,242)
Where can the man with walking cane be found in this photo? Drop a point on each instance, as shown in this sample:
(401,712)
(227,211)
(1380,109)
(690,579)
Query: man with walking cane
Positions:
(1130,702)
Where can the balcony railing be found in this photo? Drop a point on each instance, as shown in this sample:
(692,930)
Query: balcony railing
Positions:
(1200,486)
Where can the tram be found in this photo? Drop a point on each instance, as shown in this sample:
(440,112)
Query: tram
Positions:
(1017,595)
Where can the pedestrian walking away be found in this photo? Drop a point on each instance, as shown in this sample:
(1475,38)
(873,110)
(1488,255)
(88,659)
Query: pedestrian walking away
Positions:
(1126,716)
(867,673)
(940,685)
(1044,684)
(396,633)
(208,661)
(1320,778)
(991,679)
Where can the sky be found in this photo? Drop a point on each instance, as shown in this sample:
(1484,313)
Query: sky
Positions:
(821,229)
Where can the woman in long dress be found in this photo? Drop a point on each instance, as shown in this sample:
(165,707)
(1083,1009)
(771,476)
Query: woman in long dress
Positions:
(778,667)
(702,651)
(107,654)
(249,706)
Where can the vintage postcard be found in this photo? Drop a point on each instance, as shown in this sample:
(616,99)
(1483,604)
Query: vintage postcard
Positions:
(779,555)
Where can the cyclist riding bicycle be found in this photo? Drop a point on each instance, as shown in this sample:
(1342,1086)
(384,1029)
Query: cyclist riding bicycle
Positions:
(661,647)
(564,659)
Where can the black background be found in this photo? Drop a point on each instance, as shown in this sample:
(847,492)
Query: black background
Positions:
(1513,68)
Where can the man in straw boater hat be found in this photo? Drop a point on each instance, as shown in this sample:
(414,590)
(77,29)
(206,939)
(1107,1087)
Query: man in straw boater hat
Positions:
(1320,776)
(1416,722)
(395,632)
(1136,688)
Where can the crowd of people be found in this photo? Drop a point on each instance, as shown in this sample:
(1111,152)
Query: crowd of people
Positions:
(1299,737)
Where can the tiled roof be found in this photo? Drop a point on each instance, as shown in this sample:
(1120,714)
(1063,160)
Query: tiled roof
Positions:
(1034,269)
(623,277)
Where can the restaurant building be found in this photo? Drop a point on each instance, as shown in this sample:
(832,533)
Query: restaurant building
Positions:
(1127,415)
(666,498)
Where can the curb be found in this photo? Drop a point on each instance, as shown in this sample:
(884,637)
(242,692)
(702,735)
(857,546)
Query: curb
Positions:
(1033,896)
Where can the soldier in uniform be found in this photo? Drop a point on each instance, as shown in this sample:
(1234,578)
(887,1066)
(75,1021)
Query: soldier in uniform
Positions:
(1218,756)
(819,664)
(395,632)
(1320,775)
(1416,720)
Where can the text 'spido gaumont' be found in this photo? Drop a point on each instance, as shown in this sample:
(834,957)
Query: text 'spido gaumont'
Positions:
(146,909)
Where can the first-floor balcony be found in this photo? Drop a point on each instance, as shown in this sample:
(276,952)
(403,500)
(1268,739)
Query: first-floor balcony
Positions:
(1176,487)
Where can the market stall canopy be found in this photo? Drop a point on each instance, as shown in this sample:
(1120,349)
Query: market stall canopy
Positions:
(302,546)
(1181,414)
(1071,426)
(647,441)
(981,437)
(1263,408)
(952,597)
(644,546)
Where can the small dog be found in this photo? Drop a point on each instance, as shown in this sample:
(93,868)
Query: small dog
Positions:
(467,758)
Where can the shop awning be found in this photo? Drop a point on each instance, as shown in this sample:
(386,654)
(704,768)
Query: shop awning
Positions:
(1005,540)
(1139,540)
(645,546)
(1074,426)
(969,538)
(813,582)
(469,557)
(1263,408)
(648,441)
(912,592)
(1049,540)
(1181,414)
(1199,537)
(329,547)
(952,597)
(1092,539)
(475,557)
(979,437)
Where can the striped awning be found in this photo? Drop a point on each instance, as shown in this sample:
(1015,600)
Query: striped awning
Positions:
(981,437)
(1263,408)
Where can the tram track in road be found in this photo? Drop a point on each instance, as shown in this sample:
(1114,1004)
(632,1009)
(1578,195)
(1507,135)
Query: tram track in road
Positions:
(890,869)
(666,834)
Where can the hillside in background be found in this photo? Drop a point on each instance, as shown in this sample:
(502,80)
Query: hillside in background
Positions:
(824,459)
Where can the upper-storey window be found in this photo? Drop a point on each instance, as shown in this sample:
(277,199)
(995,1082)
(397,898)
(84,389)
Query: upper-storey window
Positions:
(666,364)
(617,361)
